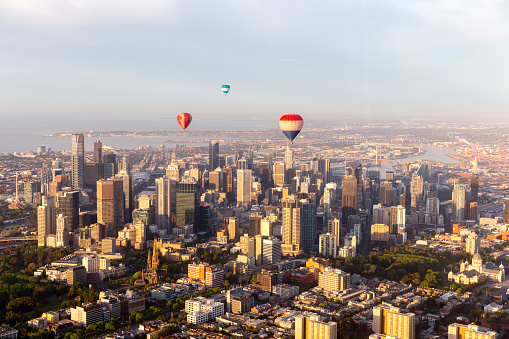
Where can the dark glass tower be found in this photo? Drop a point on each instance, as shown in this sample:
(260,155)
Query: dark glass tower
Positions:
(77,161)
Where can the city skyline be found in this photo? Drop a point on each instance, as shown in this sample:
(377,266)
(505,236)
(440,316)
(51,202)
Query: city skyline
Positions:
(346,61)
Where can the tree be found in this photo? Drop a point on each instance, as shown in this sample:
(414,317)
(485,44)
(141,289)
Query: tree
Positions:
(91,328)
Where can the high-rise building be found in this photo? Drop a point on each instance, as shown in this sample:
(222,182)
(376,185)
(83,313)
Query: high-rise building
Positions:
(216,180)
(308,226)
(473,243)
(289,157)
(228,177)
(110,205)
(92,174)
(279,174)
(386,197)
(398,216)
(166,203)
(128,189)
(458,202)
(188,205)
(68,204)
(416,191)
(349,197)
(474,188)
(433,205)
(46,219)
(29,188)
(291,228)
(354,168)
(379,232)
(213,155)
(471,210)
(334,228)
(255,220)
(265,175)
(314,327)
(328,245)
(505,212)
(62,231)
(233,228)
(77,161)
(244,186)
(471,331)
(98,152)
(173,172)
(391,321)
(271,248)
(109,165)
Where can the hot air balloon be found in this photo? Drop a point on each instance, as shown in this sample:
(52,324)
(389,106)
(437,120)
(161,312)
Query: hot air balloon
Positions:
(226,89)
(290,125)
(184,119)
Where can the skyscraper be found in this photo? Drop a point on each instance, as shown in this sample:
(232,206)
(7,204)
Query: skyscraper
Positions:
(216,180)
(255,220)
(349,197)
(213,155)
(474,188)
(291,228)
(314,327)
(77,161)
(109,165)
(458,202)
(354,168)
(128,189)
(308,226)
(391,321)
(397,218)
(110,205)
(46,219)
(166,203)
(68,204)
(473,243)
(289,157)
(228,176)
(244,186)
(505,212)
(173,171)
(62,231)
(386,196)
(187,204)
(279,174)
(98,152)
(416,191)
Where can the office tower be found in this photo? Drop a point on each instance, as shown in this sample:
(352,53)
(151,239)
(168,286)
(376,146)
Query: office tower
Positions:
(110,205)
(255,220)
(187,205)
(68,204)
(29,188)
(329,194)
(433,205)
(242,164)
(173,172)
(324,168)
(391,321)
(265,175)
(349,197)
(279,174)
(313,327)
(334,228)
(398,220)
(62,231)
(216,180)
(308,226)
(46,219)
(77,161)
(474,188)
(458,202)
(109,165)
(141,232)
(258,250)
(389,175)
(381,215)
(46,178)
(416,191)
(291,228)
(289,157)
(266,226)
(354,168)
(473,243)
(166,203)
(327,245)
(386,197)
(471,210)
(128,189)
(92,174)
(228,176)
(233,228)
(271,250)
(98,152)
(471,331)
(213,155)
(109,245)
(77,274)
(505,211)
(243,186)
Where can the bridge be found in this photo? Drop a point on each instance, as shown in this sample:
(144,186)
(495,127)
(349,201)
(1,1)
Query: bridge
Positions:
(18,239)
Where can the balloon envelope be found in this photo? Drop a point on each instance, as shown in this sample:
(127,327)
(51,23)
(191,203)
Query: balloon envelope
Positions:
(184,119)
(291,125)
(225,88)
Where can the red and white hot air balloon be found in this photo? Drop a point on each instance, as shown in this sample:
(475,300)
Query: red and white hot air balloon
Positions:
(290,125)
(184,119)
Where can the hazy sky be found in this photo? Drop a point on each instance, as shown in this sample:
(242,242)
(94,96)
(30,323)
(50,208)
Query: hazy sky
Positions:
(81,62)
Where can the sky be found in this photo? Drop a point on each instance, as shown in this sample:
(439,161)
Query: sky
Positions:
(103,64)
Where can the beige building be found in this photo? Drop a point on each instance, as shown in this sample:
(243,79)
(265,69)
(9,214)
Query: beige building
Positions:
(392,321)
(327,245)
(313,327)
(472,243)
(333,280)
(379,232)
(460,331)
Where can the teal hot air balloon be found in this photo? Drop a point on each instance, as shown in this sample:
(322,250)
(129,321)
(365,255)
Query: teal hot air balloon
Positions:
(225,89)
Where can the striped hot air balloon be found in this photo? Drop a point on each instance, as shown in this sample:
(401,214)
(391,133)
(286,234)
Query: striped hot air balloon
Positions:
(225,89)
(184,119)
(290,125)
